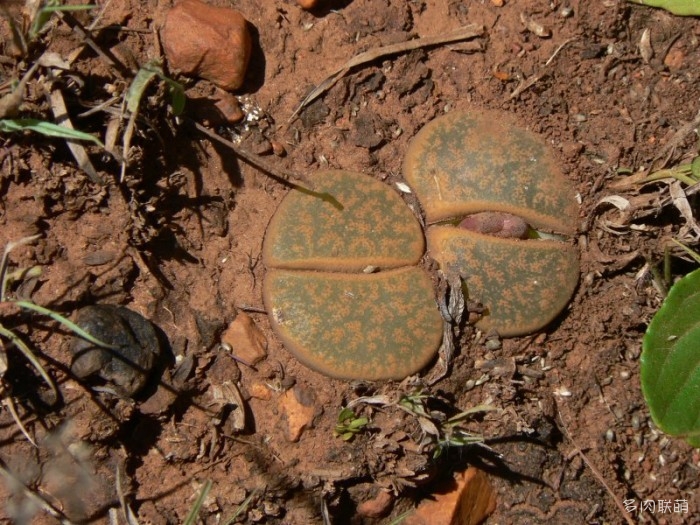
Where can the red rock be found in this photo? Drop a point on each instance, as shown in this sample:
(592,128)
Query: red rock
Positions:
(209,42)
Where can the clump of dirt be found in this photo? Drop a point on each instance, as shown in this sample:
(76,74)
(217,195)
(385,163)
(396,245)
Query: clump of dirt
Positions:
(178,239)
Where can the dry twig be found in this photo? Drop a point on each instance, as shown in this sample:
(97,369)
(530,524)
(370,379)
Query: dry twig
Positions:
(596,473)
(107,56)
(252,159)
(671,145)
(32,495)
(534,79)
(60,113)
(10,103)
(464,33)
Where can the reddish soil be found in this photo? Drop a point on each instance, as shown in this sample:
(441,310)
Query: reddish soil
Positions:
(179,241)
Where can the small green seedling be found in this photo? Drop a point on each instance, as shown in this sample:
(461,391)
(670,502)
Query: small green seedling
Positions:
(135,93)
(670,361)
(438,430)
(349,424)
(39,17)
(141,81)
(454,435)
(677,7)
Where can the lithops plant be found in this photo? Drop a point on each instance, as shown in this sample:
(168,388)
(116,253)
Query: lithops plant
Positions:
(499,212)
(343,288)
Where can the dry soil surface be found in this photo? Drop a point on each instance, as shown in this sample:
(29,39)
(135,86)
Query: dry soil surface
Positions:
(178,239)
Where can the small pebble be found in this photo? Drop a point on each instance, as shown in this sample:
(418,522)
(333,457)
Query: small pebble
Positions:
(261,146)
(566,11)
(465,500)
(307,4)
(260,391)
(636,423)
(278,148)
(209,42)
(493,344)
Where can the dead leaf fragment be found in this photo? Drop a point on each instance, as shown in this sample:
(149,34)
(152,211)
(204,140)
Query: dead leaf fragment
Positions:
(248,344)
(645,48)
(230,405)
(466,500)
(680,201)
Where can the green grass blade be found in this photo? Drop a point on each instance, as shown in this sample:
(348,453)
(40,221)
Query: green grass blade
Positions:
(242,507)
(471,411)
(695,255)
(194,511)
(5,261)
(29,355)
(695,168)
(46,128)
(398,519)
(54,8)
(28,305)
(138,86)
(44,14)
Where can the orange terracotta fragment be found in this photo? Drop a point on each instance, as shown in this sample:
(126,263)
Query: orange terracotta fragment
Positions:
(467,500)
(298,410)
(246,341)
